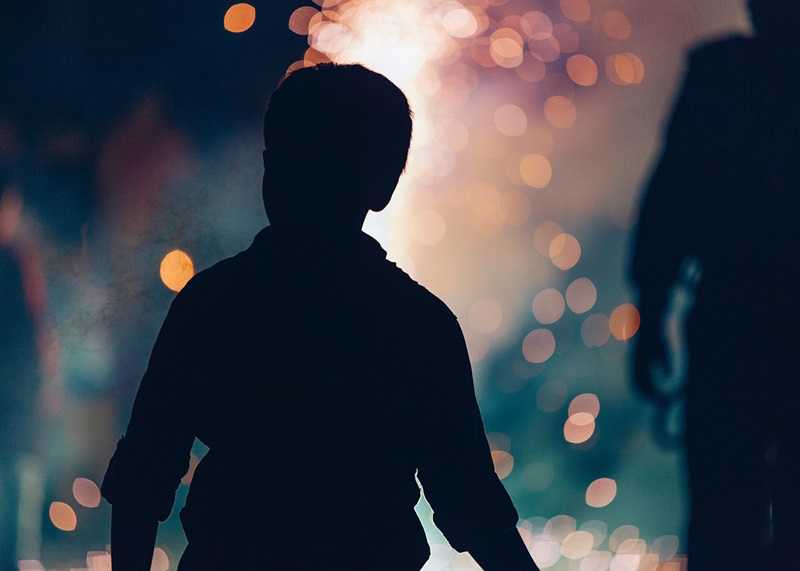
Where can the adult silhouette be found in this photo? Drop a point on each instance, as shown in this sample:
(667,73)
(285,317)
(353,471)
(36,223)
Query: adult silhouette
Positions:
(724,194)
(321,377)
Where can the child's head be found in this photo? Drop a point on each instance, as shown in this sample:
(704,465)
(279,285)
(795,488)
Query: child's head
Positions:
(336,140)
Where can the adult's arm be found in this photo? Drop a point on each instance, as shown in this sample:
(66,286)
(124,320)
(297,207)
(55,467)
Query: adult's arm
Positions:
(670,217)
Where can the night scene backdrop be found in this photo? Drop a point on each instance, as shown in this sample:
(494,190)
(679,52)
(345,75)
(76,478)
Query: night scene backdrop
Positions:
(130,141)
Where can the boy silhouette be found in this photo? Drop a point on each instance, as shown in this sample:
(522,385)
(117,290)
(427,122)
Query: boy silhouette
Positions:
(321,377)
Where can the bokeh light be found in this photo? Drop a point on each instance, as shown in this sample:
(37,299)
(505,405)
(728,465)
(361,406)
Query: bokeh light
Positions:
(616,24)
(576,10)
(503,463)
(586,402)
(538,346)
(548,306)
(86,492)
(577,545)
(535,170)
(544,235)
(63,516)
(560,112)
(581,295)
(239,18)
(98,561)
(595,330)
(160,560)
(582,70)
(579,427)
(601,492)
(621,535)
(624,321)
(176,270)
(564,251)
(510,120)
(300,20)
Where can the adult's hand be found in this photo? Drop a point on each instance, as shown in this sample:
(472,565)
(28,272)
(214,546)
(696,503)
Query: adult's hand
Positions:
(650,356)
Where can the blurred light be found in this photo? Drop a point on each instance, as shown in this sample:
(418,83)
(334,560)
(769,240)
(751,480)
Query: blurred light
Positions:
(31,565)
(160,560)
(176,270)
(601,492)
(510,120)
(331,38)
(565,251)
(581,295)
(598,529)
(632,545)
(595,331)
(485,315)
(313,57)
(538,346)
(480,50)
(503,463)
(239,18)
(596,561)
(568,38)
(536,25)
(546,553)
(587,402)
(560,112)
(427,227)
(666,546)
(543,236)
(86,492)
(577,545)
(98,561)
(531,69)
(301,18)
(638,66)
(499,441)
(456,19)
(579,428)
(621,534)
(624,321)
(551,396)
(548,306)
(559,527)
(506,47)
(616,24)
(546,50)
(535,170)
(582,70)
(537,476)
(576,10)
(63,516)
(625,562)
(624,69)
